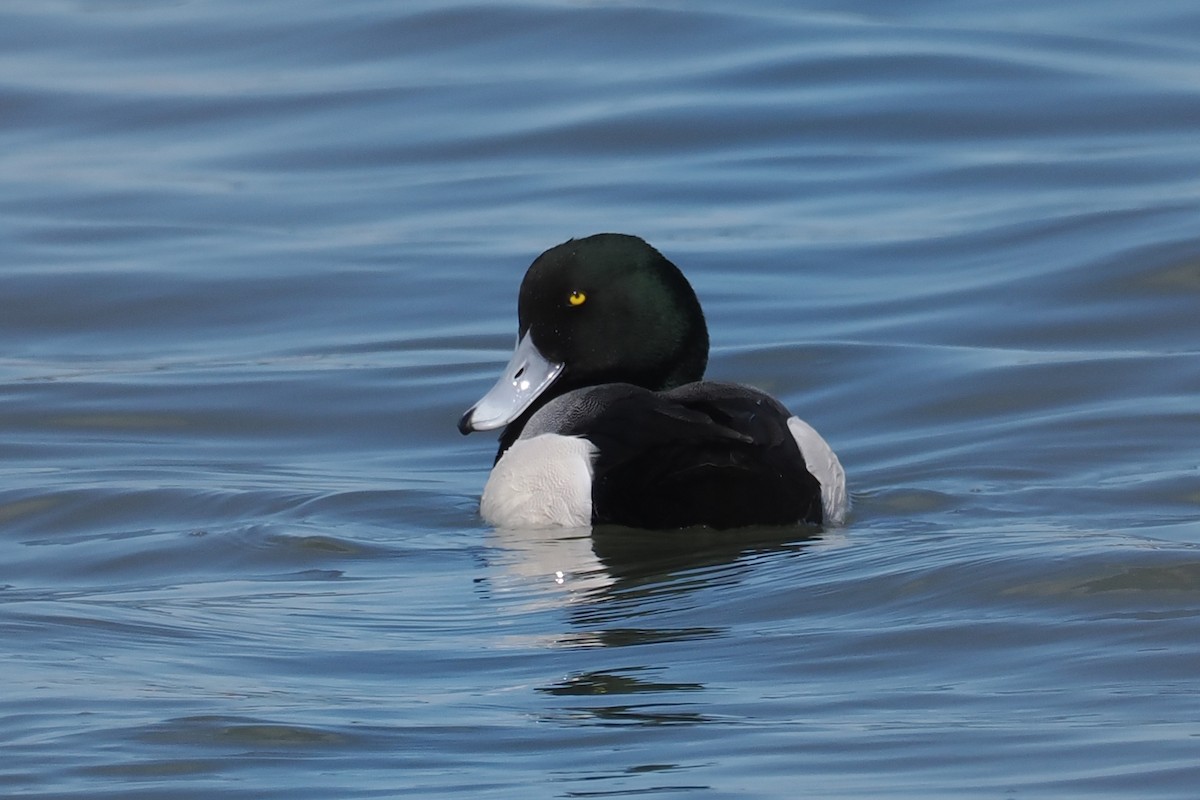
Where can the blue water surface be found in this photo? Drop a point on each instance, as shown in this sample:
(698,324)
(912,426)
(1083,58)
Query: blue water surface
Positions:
(257,258)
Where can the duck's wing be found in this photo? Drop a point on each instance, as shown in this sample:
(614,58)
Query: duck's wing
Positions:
(819,458)
(704,454)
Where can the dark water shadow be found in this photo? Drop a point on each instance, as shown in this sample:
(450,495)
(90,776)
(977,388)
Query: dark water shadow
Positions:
(606,565)
(653,579)
(633,556)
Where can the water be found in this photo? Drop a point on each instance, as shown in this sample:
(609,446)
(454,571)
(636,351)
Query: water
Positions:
(256,258)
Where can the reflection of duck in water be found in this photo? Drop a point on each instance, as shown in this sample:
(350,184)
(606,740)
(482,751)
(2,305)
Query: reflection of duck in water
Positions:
(606,418)
(608,574)
(591,564)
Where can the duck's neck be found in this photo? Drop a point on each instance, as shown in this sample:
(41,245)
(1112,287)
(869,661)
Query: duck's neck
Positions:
(512,431)
(688,368)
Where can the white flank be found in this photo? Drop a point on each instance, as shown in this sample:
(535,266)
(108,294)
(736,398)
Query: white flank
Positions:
(541,482)
(824,465)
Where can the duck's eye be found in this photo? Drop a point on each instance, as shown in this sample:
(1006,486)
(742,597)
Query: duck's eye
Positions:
(576,298)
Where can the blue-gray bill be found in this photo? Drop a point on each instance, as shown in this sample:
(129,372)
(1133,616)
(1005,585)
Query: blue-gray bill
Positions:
(527,375)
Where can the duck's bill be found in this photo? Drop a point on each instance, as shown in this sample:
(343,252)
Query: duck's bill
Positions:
(527,375)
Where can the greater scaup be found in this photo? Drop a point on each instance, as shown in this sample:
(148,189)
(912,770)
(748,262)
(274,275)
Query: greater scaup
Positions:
(607,421)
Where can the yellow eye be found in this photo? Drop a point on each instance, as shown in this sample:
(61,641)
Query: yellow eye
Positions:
(577,298)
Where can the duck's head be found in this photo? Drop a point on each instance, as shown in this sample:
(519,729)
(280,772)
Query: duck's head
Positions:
(605,309)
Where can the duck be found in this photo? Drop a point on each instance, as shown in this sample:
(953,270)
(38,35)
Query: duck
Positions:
(605,417)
